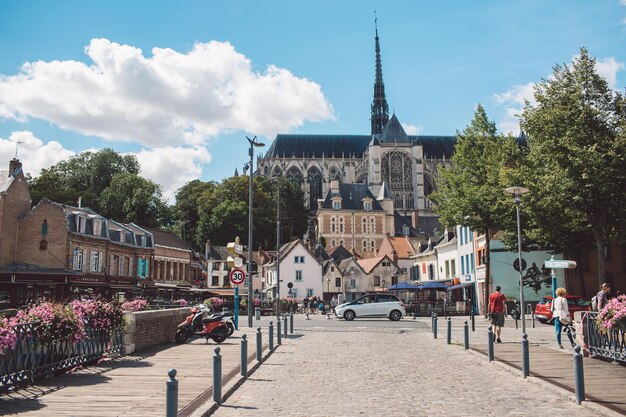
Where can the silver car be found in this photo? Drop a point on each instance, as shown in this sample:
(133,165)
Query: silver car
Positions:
(372,305)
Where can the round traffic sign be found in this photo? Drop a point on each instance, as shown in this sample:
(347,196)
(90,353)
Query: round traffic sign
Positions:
(237,276)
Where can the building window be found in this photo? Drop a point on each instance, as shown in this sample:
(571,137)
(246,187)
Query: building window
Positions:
(333,243)
(352,283)
(364,225)
(341,242)
(122,266)
(333,224)
(296,259)
(372,225)
(337,204)
(364,245)
(332,269)
(472,262)
(298,275)
(97,227)
(309,292)
(341,228)
(131,266)
(81,222)
(96,262)
(78,260)
(367,205)
(302,259)
(463,265)
(376,281)
(453,267)
(447,268)
(338,282)
(386,263)
(215,280)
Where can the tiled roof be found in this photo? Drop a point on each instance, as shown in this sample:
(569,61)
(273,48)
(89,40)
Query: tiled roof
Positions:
(370,263)
(166,238)
(352,196)
(339,253)
(402,246)
(5,180)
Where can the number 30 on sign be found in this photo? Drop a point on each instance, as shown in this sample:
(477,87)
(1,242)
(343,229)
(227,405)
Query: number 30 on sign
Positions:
(237,276)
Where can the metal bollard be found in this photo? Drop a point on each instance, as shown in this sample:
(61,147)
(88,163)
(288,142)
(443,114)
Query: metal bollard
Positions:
(432,321)
(271,333)
(217,376)
(435,326)
(473,318)
(533,317)
(579,376)
(466,336)
(291,323)
(525,356)
(259,345)
(490,345)
(257,313)
(445,314)
(244,356)
(171,394)
(449,339)
(286,327)
(279,334)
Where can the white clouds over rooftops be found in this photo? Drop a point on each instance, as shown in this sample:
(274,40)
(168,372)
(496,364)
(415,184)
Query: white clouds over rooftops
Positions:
(168,98)
(513,99)
(170,166)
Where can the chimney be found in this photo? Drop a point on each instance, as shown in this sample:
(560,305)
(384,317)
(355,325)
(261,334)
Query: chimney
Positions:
(415,220)
(334,187)
(14,164)
(80,202)
(394,255)
(207,249)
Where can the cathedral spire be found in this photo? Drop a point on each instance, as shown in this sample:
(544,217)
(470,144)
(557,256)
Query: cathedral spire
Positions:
(380,109)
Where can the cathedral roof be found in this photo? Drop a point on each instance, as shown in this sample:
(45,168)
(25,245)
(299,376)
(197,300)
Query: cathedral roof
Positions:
(394,132)
(352,196)
(384,193)
(316,146)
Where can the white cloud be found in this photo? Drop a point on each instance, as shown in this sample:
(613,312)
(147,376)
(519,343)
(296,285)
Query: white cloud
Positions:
(608,68)
(411,129)
(513,99)
(33,152)
(169,97)
(172,167)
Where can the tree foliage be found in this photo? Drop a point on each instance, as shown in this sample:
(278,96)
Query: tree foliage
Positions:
(470,191)
(576,166)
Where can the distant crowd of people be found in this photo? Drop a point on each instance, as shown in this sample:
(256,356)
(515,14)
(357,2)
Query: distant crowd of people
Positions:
(314,304)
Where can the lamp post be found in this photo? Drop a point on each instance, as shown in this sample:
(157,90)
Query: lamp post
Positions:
(328,287)
(517,192)
(277,246)
(253,142)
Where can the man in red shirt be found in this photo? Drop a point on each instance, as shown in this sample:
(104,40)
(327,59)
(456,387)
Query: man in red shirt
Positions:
(497,308)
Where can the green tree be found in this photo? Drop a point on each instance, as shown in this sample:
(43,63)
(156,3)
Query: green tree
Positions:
(131,198)
(470,191)
(186,211)
(577,144)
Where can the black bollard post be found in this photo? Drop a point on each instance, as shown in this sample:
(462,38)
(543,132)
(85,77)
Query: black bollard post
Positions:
(435,326)
(271,333)
(259,345)
(449,338)
(217,376)
(279,334)
(291,323)
(490,345)
(286,327)
(171,394)
(466,336)
(525,356)
(432,322)
(473,318)
(533,317)
(244,356)
(579,376)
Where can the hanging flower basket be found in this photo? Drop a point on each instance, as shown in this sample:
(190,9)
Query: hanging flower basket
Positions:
(613,315)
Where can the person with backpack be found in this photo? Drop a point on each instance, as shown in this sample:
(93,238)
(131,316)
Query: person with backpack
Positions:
(601,298)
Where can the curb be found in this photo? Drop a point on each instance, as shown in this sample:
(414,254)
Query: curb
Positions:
(592,406)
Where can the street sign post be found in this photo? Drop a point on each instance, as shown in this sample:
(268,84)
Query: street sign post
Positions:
(555,264)
(237,277)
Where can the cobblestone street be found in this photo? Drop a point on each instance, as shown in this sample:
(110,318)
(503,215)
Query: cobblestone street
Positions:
(386,371)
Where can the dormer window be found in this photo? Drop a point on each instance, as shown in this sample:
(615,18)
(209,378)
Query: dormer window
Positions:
(97,227)
(337,204)
(81,223)
(367,204)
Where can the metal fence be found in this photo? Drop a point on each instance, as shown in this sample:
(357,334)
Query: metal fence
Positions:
(610,345)
(30,360)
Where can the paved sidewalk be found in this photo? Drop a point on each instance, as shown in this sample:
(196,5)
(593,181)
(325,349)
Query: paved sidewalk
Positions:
(382,371)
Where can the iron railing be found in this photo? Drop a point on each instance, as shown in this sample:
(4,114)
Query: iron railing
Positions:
(610,345)
(30,360)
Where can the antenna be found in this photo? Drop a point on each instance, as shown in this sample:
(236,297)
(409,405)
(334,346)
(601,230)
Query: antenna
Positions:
(17,146)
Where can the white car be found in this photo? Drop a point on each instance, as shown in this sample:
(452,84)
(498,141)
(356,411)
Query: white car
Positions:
(372,305)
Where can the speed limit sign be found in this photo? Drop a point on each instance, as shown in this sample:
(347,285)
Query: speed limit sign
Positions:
(237,276)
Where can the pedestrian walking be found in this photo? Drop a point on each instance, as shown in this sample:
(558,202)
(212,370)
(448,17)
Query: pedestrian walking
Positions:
(497,310)
(320,307)
(561,317)
(601,298)
(333,304)
(305,304)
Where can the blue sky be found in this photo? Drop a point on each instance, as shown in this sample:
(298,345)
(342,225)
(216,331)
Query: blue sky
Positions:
(181,84)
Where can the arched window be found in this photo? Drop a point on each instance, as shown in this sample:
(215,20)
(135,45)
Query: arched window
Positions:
(315,186)
(398,174)
(294,175)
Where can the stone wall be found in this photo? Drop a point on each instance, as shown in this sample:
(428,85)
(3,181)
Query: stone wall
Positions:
(152,327)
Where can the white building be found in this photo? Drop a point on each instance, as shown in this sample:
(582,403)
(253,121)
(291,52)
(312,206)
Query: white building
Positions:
(466,256)
(298,267)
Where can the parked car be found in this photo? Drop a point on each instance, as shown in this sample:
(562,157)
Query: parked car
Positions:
(543,309)
(372,305)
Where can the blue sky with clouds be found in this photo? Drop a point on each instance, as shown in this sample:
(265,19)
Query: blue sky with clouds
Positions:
(180,84)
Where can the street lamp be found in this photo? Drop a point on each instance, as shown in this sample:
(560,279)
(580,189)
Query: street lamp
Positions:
(328,286)
(277,246)
(517,192)
(253,142)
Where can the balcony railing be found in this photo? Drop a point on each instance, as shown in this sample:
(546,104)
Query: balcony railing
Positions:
(610,345)
(30,360)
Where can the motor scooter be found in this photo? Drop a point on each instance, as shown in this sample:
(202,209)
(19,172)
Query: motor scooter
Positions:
(227,319)
(200,311)
(196,325)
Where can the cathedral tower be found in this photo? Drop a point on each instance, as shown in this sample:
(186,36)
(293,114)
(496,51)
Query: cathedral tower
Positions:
(380,109)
